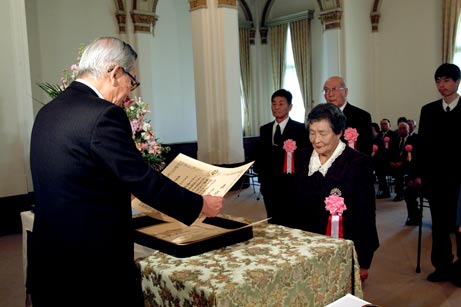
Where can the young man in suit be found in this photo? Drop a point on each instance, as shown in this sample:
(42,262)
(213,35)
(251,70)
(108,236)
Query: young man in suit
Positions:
(439,131)
(85,166)
(270,159)
(335,92)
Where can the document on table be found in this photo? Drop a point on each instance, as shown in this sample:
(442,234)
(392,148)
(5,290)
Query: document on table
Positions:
(198,177)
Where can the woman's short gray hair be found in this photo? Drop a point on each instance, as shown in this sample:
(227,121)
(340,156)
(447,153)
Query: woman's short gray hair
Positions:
(103,54)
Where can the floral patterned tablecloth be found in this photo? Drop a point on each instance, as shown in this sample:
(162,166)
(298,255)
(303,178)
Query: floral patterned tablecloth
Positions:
(280,266)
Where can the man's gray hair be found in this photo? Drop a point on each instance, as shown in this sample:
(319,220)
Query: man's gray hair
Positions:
(103,54)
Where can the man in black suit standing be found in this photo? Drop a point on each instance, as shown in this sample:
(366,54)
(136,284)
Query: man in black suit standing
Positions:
(439,131)
(85,166)
(335,92)
(270,159)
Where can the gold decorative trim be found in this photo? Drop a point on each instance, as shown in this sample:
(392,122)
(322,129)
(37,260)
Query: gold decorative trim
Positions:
(143,21)
(227,3)
(375,15)
(331,20)
(197,4)
(120,15)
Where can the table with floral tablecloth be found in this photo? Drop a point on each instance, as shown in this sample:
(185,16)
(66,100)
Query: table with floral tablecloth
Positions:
(279,266)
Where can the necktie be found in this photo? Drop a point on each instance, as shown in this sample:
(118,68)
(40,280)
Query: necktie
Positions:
(447,109)
(402,142)
(278,136)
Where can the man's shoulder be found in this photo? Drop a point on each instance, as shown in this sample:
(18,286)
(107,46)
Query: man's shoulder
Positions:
(357,111)
(433,104)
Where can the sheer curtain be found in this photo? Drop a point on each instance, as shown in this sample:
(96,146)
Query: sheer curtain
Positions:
(300,42)
(245,74)
(450,16)
(278,39)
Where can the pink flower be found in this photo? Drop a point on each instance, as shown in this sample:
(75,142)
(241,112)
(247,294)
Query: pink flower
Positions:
(375,148)
(335,204)
(386,139)
(408,147)
(351,134)
(289,145)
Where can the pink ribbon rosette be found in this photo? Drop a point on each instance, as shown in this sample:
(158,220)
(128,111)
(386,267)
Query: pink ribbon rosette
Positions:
(289,164)
(351,135)
(386,142)
(335,204)
(408,149)
(375,149)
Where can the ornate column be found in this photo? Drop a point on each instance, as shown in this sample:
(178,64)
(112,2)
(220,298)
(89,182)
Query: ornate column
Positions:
(142,14)
(217,80)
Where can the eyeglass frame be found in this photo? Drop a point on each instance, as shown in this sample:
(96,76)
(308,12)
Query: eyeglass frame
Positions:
(134,83)
(333,90)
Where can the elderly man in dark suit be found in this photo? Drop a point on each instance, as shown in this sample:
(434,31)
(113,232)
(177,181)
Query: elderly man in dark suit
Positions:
(85,166)
(439,130)
(335,92)
(270,159)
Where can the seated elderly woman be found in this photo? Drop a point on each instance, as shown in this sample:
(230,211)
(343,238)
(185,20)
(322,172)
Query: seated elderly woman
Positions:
(330,167)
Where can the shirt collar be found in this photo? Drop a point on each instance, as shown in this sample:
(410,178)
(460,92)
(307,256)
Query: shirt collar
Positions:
(282,124)
(315,165)
(92,87)
(452,105)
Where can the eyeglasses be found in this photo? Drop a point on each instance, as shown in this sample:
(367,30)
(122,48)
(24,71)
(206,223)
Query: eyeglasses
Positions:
(134,82)
(332,90)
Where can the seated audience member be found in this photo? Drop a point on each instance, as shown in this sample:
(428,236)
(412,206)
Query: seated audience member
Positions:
(412,125)
(389,136)
(331,167)
(398,156)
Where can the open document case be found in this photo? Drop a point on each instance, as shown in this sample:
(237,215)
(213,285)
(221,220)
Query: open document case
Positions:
(156,230)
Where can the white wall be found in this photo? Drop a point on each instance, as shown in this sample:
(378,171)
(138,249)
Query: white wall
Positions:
(408,48)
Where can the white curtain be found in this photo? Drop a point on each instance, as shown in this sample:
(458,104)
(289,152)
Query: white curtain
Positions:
(300,42)
(450,15)
(277,40)
(245,73)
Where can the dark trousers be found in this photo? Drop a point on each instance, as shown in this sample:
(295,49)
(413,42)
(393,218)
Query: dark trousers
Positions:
(443,205)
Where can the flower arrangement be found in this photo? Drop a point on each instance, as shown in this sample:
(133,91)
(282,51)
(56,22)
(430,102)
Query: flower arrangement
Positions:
(147,143)
(351,135)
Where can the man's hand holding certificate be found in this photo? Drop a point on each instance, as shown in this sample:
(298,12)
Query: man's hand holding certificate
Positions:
(212,182)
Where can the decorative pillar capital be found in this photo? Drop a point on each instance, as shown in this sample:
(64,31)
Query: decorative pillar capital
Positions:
(374,17)
(331,19)
(143,21)
(263,33)
(197,4)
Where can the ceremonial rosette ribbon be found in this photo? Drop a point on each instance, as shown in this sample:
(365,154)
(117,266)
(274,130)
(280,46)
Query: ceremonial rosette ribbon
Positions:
(408,149)
(375,149)
(386,142)
(335,204)
(351,135)
(289,165)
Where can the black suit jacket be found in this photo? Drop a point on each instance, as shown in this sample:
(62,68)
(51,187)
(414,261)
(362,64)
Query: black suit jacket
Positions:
(85,166)
(270,159)
(438,134)
(361,120)
(269,167)
(352,174)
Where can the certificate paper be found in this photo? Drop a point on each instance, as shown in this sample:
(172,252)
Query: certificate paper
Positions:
(203,178)
(198,177)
